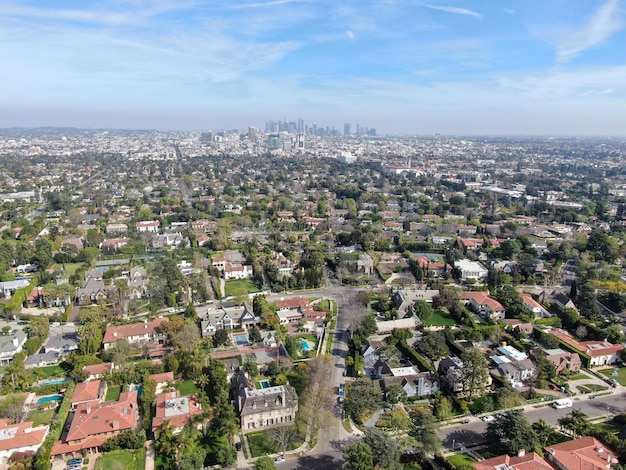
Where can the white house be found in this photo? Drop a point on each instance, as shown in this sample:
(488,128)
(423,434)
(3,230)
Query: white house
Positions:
(471,270)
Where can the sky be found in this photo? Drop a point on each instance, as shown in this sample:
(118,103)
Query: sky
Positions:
(496,67)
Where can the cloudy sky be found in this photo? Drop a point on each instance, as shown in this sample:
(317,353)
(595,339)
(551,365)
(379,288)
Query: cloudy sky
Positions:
(401,66)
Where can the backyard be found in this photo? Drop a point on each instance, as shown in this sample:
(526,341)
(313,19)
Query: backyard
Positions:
(439,318)
(187,387)
(41,417)
(113,393)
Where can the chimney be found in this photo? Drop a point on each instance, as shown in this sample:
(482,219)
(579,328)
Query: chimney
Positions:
(521,453)
(116,424)
(115,334)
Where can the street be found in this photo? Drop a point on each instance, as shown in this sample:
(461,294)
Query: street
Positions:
(472,433)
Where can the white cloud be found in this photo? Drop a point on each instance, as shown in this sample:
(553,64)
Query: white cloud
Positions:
(455,10)
(602,24)
(264,4)
(350,35)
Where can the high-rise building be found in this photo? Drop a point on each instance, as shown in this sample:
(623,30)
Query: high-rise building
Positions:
(346,128)
(252,133)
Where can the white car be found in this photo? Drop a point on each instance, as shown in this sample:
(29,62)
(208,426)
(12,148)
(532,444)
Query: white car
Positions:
(488,418)
(279,460)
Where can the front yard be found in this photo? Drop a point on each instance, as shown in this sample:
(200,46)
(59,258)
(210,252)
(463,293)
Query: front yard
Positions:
(237,286)
(621,374)
(122,460)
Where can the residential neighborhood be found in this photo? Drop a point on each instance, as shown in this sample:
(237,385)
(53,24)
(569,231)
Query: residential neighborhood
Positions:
(209,300)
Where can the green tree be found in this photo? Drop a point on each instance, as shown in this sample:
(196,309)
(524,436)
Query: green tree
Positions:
(385,452)
(510,432)
(264,463)
(422,309)
(362,397)
(576,422)
(433,346)
(474,373)
(358,456)
(220,338)
(543,431)
(424,431)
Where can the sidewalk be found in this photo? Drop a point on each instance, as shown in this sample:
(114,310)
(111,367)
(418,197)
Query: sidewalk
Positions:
(149,455)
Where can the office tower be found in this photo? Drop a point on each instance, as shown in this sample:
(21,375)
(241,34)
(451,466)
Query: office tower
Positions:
(346,128)
(252,133)
(358,130)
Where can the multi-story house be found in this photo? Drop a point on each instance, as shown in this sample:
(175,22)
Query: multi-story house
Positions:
(263,408)
(135,333)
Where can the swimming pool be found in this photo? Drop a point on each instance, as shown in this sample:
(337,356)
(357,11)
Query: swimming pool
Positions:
(54,382)
(306,346)
(265,384)
(48,399)
(241,339)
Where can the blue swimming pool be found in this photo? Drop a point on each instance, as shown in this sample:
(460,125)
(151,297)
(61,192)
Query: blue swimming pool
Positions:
(265,384)
(48,399)
(305,344)
(54,382)
(241,339)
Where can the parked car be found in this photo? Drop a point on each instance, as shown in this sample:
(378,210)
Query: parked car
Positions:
(465,421)
(279,460)
(488,418)
(238,445)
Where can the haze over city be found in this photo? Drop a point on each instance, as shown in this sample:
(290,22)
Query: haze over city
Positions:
(455,67)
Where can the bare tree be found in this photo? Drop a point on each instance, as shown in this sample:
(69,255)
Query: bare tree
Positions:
(283,436)
(317,399)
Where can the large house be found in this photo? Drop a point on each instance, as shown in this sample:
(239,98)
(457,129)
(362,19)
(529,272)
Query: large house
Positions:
(225,317)
(564,361)
(522,461)
(93,391)
(471,270)
(602,353)
(263,408)
(174,411)
(581,454)
(151,226)
(20,437)
(295,308)
(94,423)
(485,305)
(135,333)
(10,345)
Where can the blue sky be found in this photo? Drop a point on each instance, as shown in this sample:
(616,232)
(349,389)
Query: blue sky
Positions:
(415,67)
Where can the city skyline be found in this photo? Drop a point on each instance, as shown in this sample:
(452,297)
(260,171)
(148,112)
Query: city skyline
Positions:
(452,67)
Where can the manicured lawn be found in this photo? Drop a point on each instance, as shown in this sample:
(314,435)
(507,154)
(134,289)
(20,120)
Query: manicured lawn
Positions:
(439,318)
(50,371)
(187,387)
(70,268)
(41,416)
(461,459)
(578,377)
(260,445)
(621,378)
(237,285)
(113,393)
(122,460)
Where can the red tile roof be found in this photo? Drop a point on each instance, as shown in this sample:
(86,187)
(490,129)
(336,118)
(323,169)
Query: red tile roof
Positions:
(483,298)
(591,348)
(113,333)
(86,391)
(530,461)
(21,435)
(586,453)
(90,420)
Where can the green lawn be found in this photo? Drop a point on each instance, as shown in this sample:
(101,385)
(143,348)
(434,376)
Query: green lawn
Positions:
(236,286)
(122,460)
(260,444)
(41,416)
(461,459)
(187,387)
(70,268)
(621,377)
(113,393)
(439,318)
(49,371)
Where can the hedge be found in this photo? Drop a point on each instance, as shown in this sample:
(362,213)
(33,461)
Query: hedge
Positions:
(42,459)
(416,358)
